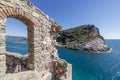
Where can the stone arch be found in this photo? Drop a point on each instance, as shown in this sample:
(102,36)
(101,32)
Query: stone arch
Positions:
(18,14)
(42,32)
(28,21)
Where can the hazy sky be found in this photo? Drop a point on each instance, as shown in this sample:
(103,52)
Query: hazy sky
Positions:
(105,14)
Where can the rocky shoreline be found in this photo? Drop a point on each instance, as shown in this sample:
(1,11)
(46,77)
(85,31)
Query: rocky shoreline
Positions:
(96,45)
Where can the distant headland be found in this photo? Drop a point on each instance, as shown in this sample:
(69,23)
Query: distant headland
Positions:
(83,38)
(18,37)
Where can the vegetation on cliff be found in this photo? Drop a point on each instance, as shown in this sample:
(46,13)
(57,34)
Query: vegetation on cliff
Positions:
(78,34)
(83,38)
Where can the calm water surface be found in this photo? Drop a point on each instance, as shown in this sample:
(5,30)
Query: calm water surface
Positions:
(86,66)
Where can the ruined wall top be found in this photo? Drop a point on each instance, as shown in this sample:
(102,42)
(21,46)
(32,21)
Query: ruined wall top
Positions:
(29,8)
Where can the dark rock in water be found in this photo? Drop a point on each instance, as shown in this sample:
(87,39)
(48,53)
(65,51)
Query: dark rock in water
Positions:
(24,39)
(84,38)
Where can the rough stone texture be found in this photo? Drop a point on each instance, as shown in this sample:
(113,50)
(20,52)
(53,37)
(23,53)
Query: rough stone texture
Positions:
(93,45)
(28,75)
(42,32)
(16,63)
(2,66)
(62,70)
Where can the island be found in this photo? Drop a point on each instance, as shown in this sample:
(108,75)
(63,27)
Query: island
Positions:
(84,38)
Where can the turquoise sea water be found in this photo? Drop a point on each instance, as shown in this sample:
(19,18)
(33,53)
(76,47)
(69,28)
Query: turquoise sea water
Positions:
(16,45)
(86,66)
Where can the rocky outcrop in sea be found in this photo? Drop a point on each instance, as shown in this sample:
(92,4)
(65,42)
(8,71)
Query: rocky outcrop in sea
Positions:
(84,38)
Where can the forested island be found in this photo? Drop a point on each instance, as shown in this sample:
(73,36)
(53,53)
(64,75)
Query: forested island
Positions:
(83,38)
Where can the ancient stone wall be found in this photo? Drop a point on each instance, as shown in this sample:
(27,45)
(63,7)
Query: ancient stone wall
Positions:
(16,62)
(61,70)
(2,66)
(42,32)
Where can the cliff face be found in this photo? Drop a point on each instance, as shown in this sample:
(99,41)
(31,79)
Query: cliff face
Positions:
(84,38)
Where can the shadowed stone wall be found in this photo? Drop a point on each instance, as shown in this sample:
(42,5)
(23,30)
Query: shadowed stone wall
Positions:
(42,32)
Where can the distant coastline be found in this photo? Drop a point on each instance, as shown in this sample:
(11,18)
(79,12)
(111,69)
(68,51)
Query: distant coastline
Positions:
(22,39)
(12,36)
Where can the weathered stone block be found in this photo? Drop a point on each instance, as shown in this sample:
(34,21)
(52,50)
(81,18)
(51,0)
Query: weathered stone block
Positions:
(2,58)
(45,75)
(2,38)
(2,29)
(3,67)
(2,50)
(2,44)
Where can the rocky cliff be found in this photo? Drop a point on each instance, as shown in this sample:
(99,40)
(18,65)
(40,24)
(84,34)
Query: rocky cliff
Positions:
(84,38)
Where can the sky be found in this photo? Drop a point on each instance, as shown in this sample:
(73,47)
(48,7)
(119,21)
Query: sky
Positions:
(15,27)
(105,14)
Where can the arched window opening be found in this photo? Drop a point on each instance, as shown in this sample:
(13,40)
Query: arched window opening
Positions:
(16,36)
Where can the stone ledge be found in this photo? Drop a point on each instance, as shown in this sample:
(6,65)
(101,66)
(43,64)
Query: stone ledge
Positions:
(15,54)
(29,75)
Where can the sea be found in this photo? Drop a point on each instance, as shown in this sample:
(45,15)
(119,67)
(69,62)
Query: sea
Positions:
(85,65)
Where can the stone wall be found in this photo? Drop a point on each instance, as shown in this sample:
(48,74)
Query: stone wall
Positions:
(2,66)
(16,63)
(42,32)
(62,70)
